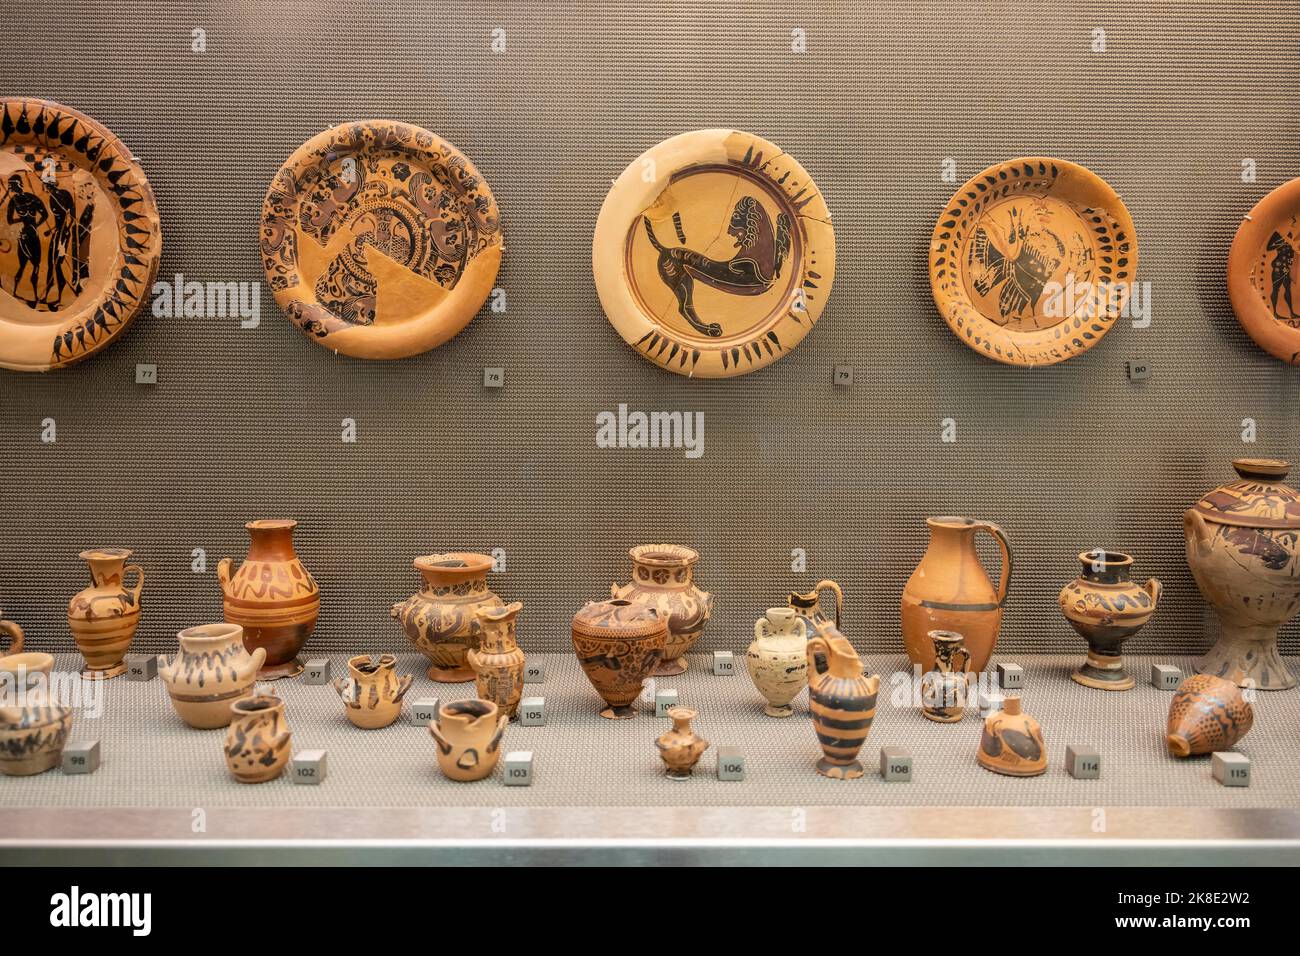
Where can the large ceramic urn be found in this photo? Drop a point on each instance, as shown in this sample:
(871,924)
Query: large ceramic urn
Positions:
(440,620)
(663,577)
(1242,543)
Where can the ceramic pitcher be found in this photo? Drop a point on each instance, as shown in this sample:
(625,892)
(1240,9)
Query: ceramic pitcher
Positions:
(33,725)
(372,692)
(809,606)
(778,659)
(663,577)
(842,700)
(257,740)
(943,690)
(468,737)
(103,616)
(212,670)
(439,619)
(498,662)
(949,591)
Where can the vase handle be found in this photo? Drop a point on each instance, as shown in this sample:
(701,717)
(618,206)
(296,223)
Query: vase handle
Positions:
(1154,589)
(835,589)
(819,654)
(1196,531)
(223,574)
(403,685)
(760,628)
(15,636)
(139,581)
(1005,580)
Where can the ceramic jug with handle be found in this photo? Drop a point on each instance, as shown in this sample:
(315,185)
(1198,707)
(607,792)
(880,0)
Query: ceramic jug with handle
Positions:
(842,700)
(778,659)
(103,617)
(943,690)
(809,606)
(212,670)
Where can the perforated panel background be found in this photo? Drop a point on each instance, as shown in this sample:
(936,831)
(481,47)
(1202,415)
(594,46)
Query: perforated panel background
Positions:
(246,423)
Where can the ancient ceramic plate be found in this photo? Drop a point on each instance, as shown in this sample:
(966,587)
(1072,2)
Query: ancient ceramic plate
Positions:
(379,239)
(1032,261)
(713,254)
(79,236)
(1263,282)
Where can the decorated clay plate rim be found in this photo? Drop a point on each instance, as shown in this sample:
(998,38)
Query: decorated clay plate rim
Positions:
(1248,304)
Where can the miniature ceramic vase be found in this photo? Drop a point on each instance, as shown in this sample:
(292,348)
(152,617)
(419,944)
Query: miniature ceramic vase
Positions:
(272,597)
(663,578)
(949,591)
(440,620)
(257,740)
(943,690)
(103,617)
(212,670)
(1243,542)
(1012,742)
(842,700)
(33,725)
(808,606)
(498,662)
(619,643)
(778,659)
(15,635)
(372,692)
(468,734)
(681,747)
(1107,607)
(1207,714)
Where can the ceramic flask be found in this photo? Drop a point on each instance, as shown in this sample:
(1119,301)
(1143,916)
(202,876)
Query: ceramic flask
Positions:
(372,692)
(1107,607)
(212,670)
(103,616)
(1012,742)
(778,659)
(33,725)
(1207,714)
(272,597)
(842,700)
(439,619)
(663,578)
(949,591)
(680,747)
(808,606)
(498,662)
(943,690)
(468,738)
(619,643)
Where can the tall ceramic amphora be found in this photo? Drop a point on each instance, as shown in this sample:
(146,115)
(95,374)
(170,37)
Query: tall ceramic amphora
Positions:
(778,659)
(103,616)
(272,597)
(663,577)
(950,591)
(1243,540)
(842,700)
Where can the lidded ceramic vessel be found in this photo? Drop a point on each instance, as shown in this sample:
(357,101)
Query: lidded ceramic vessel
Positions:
(440,619)
(1207,714)
(619,643)
(272,597)
(1107,607)
(1242,545)
(498,661)
(808,606)
(1012,742)
(468,737)
(943,690)
(663,578)
(34,726)
(842,700)
(778,659)
(212,669)
(103,616)
(257,740)
(680,748)
(372,692)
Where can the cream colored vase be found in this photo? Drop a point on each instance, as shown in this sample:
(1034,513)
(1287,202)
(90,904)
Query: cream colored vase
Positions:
(778,659)
(212,670)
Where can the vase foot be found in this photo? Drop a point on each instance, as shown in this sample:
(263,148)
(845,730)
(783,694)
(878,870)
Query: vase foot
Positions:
(779,710)
(105,673)
(942,716)
(281,671)
(678,774)
(449,675)
(671,668)
(1254,663)
(618,713)
(837,771)
(1085,676)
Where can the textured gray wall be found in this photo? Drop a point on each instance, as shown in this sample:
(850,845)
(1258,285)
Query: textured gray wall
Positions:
(246,423)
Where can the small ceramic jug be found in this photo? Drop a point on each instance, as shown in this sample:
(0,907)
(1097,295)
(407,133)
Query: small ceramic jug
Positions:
(468,734)
(842,700)
(1207,714)
(212,670)
(257,740)
(372,692)
(1012,742)
(778,659)
(103,616)
(33,725)
(498,662)
(809,606)
(1107,607)
(943,690)
(681,747)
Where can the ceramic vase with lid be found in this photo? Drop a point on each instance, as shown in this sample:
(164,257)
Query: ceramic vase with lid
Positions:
(468,737)
(950,591)
(842,700)
(372,692)
(272,597)
(1107,607)
(663,578)
(778,659)
(33,725)
(257,740)
(1243,546)
(809,606)
(212,670)
(680,747)
(439,619)
(103,616)
(1012,742)
(619,643)
(943,690)
(1207,714)
(498,661)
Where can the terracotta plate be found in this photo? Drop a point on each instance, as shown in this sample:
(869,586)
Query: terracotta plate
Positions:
(1263,282)
(1032,261)
(713,254)
(379,239)
(79,236)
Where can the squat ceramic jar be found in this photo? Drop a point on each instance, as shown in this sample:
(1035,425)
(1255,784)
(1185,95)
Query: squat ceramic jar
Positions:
(1207,714)
(257,740)
(498,662)
(619,643)
(778,659)
(1012,742)
(943,690)
(33,725)
(842,700)
(440,620)
(1107,607)
(663,578)
(103,616)
(212,670)
(372,692)
(681,747)
(468,737)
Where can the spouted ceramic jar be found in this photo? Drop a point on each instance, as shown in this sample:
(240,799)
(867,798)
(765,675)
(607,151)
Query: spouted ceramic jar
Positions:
(1012,742)
(842,700)
(212,670)
(372,692)
(498,662)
